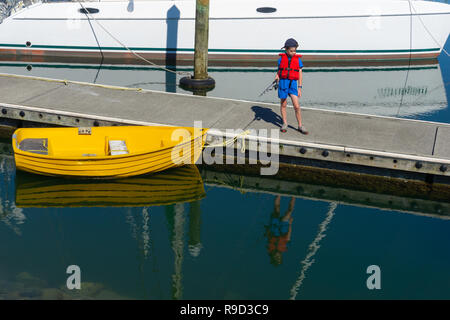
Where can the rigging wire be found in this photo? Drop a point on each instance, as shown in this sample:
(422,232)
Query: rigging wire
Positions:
(409,60)
(427,30)
(99,47)
(413,10)
(130,50)
(313,247)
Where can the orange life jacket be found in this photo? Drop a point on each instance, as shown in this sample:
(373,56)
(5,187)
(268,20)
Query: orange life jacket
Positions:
(286,71)
(278,244)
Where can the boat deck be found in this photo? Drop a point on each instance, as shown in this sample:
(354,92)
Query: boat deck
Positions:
(334,137)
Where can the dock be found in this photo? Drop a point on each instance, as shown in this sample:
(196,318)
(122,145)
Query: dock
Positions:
(336,140)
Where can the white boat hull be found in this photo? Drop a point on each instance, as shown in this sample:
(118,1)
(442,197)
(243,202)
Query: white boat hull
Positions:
(347,30)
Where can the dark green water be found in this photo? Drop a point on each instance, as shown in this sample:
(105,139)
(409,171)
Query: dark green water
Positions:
(218,248)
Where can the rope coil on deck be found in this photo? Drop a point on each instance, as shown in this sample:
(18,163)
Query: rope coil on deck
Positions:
(232,141)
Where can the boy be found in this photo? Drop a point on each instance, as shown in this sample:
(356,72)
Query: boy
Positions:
(279,231)
(289,72)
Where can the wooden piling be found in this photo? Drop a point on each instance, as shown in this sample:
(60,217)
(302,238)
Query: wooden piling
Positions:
(200,81)
(201,39)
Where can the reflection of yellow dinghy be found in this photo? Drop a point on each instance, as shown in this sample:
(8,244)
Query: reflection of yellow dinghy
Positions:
(176,185)
(105,152)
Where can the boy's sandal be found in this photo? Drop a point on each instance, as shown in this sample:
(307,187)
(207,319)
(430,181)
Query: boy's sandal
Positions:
(302,129)
(284,127)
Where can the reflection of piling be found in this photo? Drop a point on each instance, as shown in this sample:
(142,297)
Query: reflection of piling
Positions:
(201,80)
(195,225)
(177,246)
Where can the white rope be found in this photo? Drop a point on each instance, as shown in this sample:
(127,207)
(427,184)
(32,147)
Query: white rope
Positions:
(123,45)
(231,141)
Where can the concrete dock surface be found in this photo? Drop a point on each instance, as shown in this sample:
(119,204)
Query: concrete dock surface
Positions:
(384,142)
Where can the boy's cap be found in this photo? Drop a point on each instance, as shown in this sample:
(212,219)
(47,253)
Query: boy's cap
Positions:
(291,42)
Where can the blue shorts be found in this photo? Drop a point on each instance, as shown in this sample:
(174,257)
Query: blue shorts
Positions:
(287,87)
(279,227)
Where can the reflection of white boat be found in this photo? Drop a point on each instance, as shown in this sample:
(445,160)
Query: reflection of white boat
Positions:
(379,91)
(240,31)
(10,214)
(374,90)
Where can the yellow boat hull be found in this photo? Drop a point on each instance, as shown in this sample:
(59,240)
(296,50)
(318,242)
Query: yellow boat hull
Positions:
(86,152)
(183,184)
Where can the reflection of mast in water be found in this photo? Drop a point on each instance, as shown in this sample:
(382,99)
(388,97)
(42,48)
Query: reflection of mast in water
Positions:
(144,239)
(177,246)
(313,247)
(176,222)
(130,220)
(9,213)
(194,242)
(145,232)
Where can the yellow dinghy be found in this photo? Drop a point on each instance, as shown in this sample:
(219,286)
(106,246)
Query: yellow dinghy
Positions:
(106,152)
(183,184)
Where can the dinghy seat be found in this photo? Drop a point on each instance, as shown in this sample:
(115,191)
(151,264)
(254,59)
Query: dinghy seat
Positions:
(117,147)
(34,145)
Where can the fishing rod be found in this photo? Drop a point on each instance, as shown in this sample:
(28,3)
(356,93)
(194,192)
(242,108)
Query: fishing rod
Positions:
(273,85)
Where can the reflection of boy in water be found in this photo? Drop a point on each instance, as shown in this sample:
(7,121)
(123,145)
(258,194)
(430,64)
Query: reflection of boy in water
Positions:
(279,232)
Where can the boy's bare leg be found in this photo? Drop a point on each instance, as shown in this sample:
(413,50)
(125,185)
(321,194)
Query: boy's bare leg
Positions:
(283,110)
(287,215)
(296,105)
(276,205)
